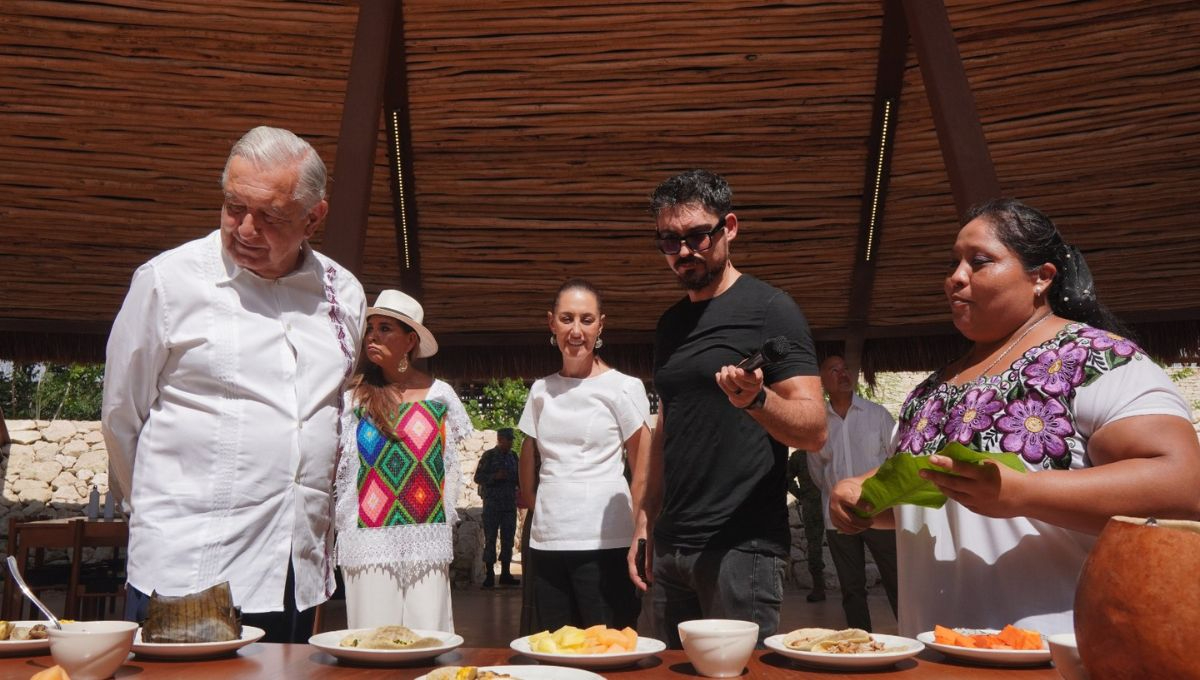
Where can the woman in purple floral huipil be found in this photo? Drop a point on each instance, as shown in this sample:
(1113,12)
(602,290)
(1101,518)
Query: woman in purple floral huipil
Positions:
(1101,430)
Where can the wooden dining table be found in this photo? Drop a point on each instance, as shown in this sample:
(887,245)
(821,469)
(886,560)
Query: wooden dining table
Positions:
(302,662)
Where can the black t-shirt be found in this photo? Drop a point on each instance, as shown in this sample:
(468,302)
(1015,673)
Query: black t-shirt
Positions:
(725,478)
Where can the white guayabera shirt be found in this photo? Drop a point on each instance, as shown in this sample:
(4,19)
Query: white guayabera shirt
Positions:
(222,393)
(853,445)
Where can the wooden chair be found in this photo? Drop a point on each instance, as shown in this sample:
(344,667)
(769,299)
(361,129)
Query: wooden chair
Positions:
(28,539)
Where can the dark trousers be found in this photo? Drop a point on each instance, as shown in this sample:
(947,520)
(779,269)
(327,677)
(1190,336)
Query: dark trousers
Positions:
(288,625)
(814,536)
(583,588)
(715,584)
(503,522)
(849,558)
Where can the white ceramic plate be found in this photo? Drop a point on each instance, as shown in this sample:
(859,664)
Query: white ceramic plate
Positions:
(539,673)
(645,647)
(330,643)
(24,647)
(896,649)
(194,650)
(989,657)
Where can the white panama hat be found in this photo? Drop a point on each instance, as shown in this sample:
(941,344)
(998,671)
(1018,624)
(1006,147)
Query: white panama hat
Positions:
(405,309)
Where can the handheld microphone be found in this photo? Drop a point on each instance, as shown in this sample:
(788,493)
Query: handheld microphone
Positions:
(772,350)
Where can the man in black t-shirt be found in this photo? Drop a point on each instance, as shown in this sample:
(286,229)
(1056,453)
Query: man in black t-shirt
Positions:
(711,500)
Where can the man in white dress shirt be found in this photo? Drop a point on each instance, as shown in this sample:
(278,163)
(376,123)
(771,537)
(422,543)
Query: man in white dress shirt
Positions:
(222,392)
(859,433)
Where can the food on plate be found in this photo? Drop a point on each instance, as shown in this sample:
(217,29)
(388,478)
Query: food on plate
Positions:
(829,641)
(1010,638)
(206,616)
(802,639)
(10,631)
(598,639)
(388,637)
(851,646)
(465,673)
(51,673)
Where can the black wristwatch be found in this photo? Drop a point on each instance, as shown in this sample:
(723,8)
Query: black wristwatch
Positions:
(758,401)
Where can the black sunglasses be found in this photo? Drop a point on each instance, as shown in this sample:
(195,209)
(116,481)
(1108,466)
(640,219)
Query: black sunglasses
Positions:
(697,241)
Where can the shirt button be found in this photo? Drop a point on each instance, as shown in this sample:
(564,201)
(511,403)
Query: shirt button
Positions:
(288,328)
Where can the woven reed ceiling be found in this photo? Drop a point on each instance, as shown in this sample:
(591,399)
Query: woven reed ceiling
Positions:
(539,128)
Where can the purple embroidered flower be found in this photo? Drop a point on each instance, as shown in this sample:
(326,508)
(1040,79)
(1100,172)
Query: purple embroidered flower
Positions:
(1103,340)
(1035,427)
(1057,371)
(973,414)
(924,427)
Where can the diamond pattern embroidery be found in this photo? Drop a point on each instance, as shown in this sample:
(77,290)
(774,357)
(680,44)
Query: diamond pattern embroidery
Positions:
(395,465)
(375,500)
(418,426)
(370,441)
(422,499)
(401,476)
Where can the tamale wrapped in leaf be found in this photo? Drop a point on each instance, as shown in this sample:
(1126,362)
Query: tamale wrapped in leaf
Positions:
(206,616)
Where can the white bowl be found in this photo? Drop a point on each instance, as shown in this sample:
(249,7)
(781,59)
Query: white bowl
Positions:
(718,648)
(1065,654)
(91,650)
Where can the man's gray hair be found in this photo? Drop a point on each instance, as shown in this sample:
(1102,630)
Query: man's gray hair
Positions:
(270,147)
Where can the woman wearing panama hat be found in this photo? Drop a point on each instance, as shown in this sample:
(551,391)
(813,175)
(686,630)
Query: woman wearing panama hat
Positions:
(398,476)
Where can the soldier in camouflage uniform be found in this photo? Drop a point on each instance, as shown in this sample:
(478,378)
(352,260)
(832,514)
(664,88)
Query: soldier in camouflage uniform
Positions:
(497,478)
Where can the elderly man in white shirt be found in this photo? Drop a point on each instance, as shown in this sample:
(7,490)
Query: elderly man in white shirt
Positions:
(222,392)
(859,432)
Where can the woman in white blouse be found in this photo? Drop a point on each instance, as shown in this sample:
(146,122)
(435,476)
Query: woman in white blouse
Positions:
(398,476)
(580,423)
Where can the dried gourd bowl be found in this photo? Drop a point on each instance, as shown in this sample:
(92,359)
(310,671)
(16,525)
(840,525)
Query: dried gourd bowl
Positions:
(1137,606)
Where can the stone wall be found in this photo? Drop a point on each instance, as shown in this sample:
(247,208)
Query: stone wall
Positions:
(51,467)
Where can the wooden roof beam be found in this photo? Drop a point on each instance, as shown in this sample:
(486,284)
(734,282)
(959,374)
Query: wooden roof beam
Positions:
(350,201)
(960,134)
(403,181)
(889,81)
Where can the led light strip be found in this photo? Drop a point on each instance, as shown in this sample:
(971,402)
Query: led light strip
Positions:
(400,185)
(883,137)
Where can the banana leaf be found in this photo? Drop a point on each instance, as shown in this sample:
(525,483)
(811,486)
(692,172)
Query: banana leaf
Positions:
(206,616)
(898,482)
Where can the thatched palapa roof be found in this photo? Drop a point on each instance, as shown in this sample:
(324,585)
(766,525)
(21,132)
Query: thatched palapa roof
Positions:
(531,132)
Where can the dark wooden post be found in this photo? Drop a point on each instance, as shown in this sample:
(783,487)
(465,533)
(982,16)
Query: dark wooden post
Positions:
(960,134)
(403,185)
(889,81)
(350,201)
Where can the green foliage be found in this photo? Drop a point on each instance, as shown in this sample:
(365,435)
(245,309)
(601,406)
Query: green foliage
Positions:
(1181,373)
(500,406)
(865,391)
(36,391)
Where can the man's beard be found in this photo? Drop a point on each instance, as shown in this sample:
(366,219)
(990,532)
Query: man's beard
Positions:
(699,279)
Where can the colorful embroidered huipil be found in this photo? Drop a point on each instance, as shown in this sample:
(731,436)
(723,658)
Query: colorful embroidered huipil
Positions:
(397,495)
(400,477)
